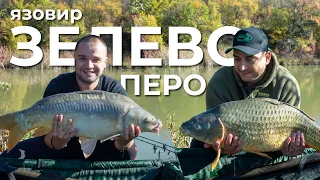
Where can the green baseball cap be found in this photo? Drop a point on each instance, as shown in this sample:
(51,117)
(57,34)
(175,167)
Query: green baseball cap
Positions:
(250,41)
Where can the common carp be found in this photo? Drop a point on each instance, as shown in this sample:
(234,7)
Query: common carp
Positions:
(98,115)
(262,125)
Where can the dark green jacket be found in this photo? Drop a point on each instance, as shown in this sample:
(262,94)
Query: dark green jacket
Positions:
(226,85)
(278,83)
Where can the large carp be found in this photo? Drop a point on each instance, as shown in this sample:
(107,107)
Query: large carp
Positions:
(262,125)
(98,115)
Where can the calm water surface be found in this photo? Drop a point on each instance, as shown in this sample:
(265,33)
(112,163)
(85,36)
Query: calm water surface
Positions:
(28,87)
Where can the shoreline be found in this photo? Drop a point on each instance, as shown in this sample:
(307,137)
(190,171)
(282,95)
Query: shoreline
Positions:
(203,64)
(289,59)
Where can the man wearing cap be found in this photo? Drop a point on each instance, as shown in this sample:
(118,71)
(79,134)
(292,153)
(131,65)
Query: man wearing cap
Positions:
(256,74)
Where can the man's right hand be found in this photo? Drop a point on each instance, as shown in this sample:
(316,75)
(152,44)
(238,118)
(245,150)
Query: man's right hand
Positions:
(232,145)
(60,135)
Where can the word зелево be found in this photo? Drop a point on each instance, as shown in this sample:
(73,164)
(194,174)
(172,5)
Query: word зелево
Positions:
(136,45)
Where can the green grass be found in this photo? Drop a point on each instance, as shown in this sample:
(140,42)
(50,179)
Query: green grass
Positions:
(178,139)
(5,85)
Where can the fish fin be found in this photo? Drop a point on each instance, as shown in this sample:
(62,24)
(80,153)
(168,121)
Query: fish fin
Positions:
(276,102)
(7,121)
(222,131)
(87,146)
(15,135)
(42,131)
(262,154)
(308,146)
(272,101)
(216,160)
(111,137)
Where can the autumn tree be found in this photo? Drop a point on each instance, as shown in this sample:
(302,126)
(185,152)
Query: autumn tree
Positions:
(238,13)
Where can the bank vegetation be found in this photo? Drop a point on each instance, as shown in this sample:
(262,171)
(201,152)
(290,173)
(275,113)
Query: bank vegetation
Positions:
(293,26)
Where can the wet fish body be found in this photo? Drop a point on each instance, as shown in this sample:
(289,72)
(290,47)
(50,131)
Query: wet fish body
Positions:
(262,125)
(98,115)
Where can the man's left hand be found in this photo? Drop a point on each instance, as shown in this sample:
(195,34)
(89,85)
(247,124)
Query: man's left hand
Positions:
(294,145)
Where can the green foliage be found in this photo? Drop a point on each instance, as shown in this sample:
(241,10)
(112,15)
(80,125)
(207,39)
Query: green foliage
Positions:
(42,26)
(278,24)
(214,15)
(99,13)
(5,85)
(144,20)
(178,139)
(157,8)
(179,14)
(6,36)
(28,135)
(137,7)
(238,13)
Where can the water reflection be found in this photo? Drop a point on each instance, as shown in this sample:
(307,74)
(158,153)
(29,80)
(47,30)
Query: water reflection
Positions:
(28,87)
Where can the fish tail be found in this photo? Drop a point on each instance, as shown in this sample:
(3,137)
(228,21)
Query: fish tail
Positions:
(312,138)
(7,121)
(15,135)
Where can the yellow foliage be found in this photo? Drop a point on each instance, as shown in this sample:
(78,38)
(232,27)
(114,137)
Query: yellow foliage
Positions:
(278,34)
(236,3)
(305,44)
(6,36)
(197,3)
(145,20)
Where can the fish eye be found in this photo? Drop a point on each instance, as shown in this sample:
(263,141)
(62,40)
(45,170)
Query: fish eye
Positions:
(146,120)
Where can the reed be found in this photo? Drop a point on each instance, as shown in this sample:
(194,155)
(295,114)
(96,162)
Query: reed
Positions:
(178,139)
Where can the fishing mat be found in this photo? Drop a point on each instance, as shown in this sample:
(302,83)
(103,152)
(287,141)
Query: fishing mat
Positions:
(79,169)
(196,164)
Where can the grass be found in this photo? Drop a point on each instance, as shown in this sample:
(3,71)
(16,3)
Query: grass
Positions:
(4,135)
(178,139)
(5,85)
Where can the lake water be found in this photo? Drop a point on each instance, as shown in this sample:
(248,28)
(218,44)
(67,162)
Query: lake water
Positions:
(27,87)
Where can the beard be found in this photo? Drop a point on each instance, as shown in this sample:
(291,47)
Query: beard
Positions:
(87,79)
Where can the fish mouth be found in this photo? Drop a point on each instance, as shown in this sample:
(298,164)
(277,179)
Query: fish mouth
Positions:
(157,128)
(182,130)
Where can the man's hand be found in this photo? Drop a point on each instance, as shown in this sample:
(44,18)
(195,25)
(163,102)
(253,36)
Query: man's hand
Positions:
(294,145)
(232,145)
(61,135)
(126,142)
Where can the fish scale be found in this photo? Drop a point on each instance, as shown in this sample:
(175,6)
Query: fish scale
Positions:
(267,126)
(98,115)
(262,125)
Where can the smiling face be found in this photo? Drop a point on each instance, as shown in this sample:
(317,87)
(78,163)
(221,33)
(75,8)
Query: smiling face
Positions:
(90,61)
(251,68)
